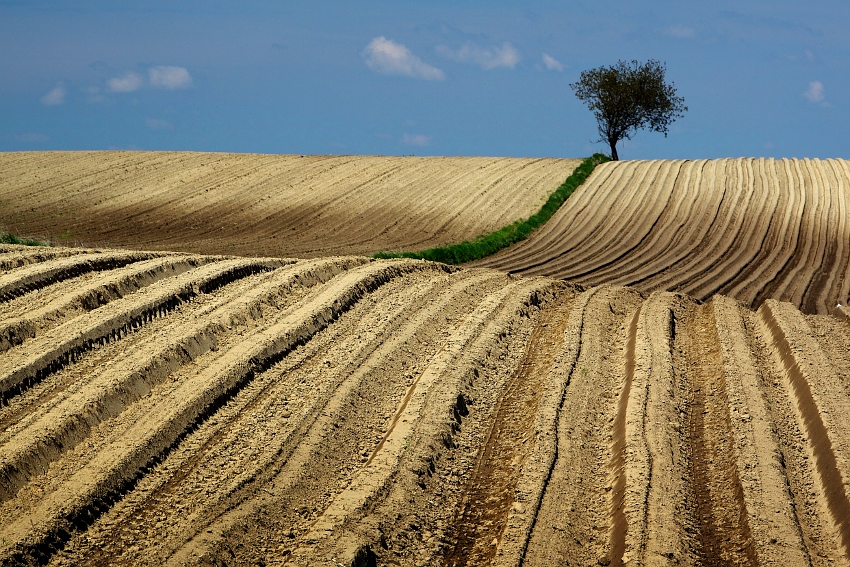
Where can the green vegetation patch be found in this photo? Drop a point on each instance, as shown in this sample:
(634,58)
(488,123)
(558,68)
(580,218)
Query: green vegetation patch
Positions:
(6,238)
(488,244)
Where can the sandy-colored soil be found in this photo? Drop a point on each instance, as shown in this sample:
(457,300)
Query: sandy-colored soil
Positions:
(267,205)
(752,229)
(176,409)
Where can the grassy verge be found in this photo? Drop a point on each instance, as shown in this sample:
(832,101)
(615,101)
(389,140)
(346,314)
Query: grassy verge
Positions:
(6,238)
(488,244)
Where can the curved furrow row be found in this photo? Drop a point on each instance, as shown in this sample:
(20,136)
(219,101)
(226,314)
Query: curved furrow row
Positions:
(810,383)
(17,282)
(323,403)
(799,271)
(54,427)
(654,195)
(778,251)
(16,255)
(163,343)
(491,491)
(29,363)
(402,503)
(585,214)
(737,248)
(24,317)
(822,265)
(753,229)
(599,238)
(669,232)
(693,232)
(842,173)
(455,192)
(569,503)
(111,470)
(704,253)
(701,458)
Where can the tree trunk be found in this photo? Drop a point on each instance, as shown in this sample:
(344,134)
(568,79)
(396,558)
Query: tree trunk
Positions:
(613,144)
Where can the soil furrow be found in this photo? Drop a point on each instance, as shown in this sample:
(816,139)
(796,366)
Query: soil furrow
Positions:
(724,536)
(535,473)
(111,474)
(28,364)
(506,450)
(14,256)
(29,278)
(45,435)
(817,410)
(400,440)
(573,522)
(619,523)
(223,459)
(272,205)
(755,229)
(34,315)
(761,467)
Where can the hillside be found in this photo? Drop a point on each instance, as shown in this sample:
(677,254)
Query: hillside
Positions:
(175,409)
(752,229)
(267,205)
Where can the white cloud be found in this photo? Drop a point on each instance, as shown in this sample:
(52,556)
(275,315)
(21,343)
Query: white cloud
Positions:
(126,84)
(418,140)
(484,57)
(385,56)
(94,95)
(814,93)
(551,63)
(157,124)
(680,32)
(169,77)
(55,97)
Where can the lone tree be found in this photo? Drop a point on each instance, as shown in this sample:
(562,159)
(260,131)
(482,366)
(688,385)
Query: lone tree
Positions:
(627,97)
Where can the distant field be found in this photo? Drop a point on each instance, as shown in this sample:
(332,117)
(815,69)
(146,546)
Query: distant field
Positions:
(752,229)
(267,205)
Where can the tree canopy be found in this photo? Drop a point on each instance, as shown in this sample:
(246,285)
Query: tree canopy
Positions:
(627,97)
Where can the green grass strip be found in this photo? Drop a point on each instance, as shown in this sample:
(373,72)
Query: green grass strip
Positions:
(6,238)
(488,244)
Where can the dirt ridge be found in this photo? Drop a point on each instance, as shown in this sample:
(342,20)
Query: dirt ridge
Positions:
(341,410)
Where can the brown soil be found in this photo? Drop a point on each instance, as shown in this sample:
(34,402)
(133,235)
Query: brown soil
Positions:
(171,409)
(267,205)
(752,229)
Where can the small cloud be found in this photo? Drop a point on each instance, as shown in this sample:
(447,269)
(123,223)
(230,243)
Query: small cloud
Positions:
(680,32)
(157,124)
(485,57)
(126,84)
(94,95)
(169,77)
(551,63)
(55,97)
(814,94)
(387,57)
(809,55)
(418,140)
(31,138)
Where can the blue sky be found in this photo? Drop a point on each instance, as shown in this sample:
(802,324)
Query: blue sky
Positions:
(437,77)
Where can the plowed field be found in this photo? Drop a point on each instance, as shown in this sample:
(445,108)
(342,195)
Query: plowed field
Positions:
(176,409)
(267,205)
(752,229)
